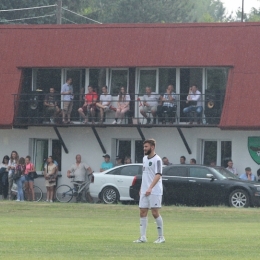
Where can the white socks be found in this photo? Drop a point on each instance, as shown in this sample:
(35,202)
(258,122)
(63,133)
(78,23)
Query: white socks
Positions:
(159,222)
(143,226)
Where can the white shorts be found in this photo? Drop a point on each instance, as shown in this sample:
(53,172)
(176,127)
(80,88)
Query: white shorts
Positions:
(151,201)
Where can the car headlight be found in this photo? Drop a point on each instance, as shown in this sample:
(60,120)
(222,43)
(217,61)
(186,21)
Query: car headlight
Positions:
(257,187)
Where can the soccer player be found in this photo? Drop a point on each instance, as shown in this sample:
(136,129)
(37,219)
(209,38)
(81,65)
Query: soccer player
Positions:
(151,191)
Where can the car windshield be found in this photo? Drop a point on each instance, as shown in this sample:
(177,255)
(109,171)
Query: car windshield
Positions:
(226,173)
(218,174)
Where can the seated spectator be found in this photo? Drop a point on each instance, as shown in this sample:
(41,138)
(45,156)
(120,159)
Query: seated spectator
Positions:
(119,161)
(169,106)
(248,176)
(127,160)
(150,103)
(122,106)
(193,161)
(166,161)
(106,164)
(104,103)
(182,160)
(51,106)
(194,104)
(89,107)
(231,168)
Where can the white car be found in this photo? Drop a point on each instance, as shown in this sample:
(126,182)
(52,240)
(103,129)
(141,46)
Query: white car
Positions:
(113,185)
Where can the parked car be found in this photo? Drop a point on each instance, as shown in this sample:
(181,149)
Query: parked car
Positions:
(201,185)
(113,185)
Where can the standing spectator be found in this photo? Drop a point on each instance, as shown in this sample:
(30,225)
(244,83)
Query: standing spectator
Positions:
(193,161)
(89,107)
(14,158)
(20,167)
(67,92)
(182,160)
(52,109)
(29,181)
(81,172)
(150,103)
(122,106)
(166,161)
(119,161)
(248,176)
(50,174)
(104,103)
(169,105)
(4,176)
(106,164)
(127,160)
(231,168)
(195,104)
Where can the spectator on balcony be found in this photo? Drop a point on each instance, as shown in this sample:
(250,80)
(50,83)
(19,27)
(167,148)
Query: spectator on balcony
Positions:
(51,106)
(194,104)
(89,107)
(122,106)
(166,161)
(182,160)
(231,168)
(248,175)
(169,106)
(104,103)
(106,164)
(67,92)
(150,103)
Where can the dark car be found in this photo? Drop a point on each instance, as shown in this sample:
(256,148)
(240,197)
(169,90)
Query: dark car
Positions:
(201,185)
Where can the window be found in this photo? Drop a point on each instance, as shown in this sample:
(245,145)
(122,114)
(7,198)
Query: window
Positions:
(97,78)
(167,76)
(131,170)
(176,171)
(42,148)
(118,79)
(199,172)
(216,151)
(216,78)
(147,78)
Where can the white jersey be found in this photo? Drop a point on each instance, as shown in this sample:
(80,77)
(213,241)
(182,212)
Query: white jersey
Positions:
(151,167)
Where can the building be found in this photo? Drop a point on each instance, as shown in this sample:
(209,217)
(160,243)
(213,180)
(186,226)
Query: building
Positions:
(222,59)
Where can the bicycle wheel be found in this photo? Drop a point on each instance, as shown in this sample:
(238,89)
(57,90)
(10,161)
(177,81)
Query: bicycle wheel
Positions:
(64,193)
(37,193)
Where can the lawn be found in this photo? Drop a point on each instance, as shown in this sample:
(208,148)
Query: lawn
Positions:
(32,230)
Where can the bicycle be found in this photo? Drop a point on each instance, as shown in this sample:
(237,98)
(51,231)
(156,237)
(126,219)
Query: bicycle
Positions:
(65,193)
(37,193)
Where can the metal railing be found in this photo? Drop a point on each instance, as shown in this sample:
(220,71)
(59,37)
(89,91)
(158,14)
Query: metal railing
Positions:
(30,110)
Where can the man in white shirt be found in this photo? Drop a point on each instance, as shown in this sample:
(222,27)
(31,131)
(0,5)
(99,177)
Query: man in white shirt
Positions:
(150,103)
(67,93)
(81,172)
(195,104)
(151,191)
(104,103)
(231,168)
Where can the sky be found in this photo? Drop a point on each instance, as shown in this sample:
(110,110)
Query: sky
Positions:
(233,5)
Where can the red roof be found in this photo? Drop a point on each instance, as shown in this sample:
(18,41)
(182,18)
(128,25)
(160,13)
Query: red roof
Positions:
(139,45)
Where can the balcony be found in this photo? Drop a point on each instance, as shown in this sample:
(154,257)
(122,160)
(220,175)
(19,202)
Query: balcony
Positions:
(30,111)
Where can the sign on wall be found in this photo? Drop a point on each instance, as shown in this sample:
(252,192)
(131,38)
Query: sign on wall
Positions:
(254,148)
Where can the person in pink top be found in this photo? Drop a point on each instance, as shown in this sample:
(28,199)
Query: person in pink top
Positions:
(28,179)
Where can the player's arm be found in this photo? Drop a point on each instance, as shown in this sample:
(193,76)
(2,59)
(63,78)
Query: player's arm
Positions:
(155,180)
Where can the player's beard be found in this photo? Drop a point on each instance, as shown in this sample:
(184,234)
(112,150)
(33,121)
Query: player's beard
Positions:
(148,152)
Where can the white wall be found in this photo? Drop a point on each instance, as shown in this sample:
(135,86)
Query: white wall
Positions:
(81,140)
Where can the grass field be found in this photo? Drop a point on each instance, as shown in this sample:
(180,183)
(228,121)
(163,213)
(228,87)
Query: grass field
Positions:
(96,231)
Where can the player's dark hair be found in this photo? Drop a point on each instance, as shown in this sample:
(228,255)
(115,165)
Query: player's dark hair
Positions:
(150,141)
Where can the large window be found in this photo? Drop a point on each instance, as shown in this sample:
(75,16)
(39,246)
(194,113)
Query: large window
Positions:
(42,148)
(147,78)
(97,78)
(167,76)
(118,78)
(218,152)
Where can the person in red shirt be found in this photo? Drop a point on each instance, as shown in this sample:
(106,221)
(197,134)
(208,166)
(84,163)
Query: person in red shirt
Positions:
(89,107)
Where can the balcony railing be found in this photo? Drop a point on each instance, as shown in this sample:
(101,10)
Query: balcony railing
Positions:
(30,111)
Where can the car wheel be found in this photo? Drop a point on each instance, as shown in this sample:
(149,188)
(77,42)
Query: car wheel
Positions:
(109,195)
(239,199)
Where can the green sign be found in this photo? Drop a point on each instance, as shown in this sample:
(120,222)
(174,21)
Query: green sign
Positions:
(254,148)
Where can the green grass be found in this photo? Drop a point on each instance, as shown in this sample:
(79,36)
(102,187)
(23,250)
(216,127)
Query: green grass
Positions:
(96,231)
